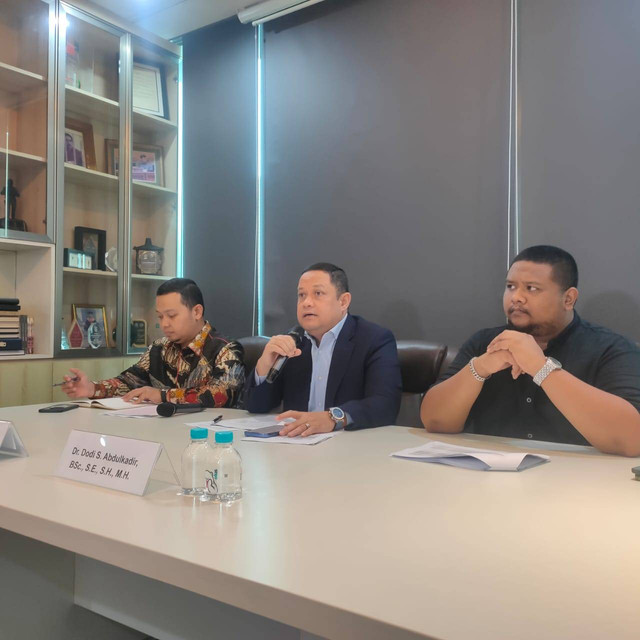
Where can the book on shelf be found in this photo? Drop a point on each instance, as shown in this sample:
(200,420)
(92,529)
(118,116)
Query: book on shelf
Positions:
(15,328)
(10,308)
(10,344)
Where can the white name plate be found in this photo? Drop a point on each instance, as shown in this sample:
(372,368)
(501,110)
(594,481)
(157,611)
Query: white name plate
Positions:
(113,462)
(10,442)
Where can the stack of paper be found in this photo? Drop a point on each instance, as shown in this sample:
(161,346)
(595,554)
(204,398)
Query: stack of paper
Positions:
(135,411)
(250,423)
(470,458)
(262,423)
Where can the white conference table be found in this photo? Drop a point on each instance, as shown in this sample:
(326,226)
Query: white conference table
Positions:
(342,541)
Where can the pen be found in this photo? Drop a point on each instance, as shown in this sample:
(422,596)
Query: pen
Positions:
(59,384)
(216,420)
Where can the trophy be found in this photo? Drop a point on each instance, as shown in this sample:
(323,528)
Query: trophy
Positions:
(11,195)
(149,258)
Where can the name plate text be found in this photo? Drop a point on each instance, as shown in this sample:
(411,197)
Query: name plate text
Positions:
(107,461)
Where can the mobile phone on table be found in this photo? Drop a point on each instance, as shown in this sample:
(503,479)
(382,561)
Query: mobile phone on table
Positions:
(264,432)
(58,408)
(254,434)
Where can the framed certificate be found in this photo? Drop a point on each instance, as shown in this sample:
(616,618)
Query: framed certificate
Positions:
(147,163)
(150,89)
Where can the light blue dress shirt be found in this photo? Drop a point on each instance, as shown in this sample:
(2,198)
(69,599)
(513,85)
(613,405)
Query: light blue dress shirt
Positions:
(321,362)
(321,355)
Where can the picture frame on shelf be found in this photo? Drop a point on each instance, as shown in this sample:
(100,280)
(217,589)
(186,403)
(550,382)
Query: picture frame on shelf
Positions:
(74,148)
(91,319)
(139,334)
(79,145)
(147,162)
(150,89)
(92,242)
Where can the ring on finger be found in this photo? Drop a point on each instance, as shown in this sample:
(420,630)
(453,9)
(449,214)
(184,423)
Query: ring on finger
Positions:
(306,424)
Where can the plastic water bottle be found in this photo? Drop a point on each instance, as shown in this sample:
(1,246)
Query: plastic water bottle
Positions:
(224,472)
(194,462)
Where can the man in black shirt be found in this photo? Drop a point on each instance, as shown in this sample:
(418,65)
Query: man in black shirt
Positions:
(547,375)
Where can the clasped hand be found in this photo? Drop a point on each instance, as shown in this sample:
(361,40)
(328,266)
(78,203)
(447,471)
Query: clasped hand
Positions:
(512,349)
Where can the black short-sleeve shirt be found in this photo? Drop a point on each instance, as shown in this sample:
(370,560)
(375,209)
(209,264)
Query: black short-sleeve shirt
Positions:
(521,409)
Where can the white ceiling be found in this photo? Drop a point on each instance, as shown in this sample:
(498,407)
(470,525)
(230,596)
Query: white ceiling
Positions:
(171,18)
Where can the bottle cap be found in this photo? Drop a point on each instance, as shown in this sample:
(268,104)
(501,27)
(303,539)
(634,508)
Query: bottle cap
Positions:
(199,433)
(224,437)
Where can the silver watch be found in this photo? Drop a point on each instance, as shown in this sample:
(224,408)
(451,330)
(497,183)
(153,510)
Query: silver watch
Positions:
(550,365)
(338,416)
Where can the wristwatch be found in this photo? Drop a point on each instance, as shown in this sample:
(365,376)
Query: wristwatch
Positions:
(550,365)
(338,416)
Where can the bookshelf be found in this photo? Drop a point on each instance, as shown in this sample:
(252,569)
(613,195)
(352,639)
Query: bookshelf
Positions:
(123,183)
(93,167)
(27,272)
(25,70)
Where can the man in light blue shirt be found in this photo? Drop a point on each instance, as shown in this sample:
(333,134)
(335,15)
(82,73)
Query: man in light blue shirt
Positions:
(344,374)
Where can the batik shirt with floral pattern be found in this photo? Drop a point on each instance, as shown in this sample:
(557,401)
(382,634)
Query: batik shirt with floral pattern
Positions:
(209,370)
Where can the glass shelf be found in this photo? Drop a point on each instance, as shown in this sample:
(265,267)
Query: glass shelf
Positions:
(154,193)
(90,195)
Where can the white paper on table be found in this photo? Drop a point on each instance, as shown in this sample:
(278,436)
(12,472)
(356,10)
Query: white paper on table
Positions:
(470,458)
(249,423)
(316,438)
(136,411)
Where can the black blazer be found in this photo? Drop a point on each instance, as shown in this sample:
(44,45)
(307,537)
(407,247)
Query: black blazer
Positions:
(364,378)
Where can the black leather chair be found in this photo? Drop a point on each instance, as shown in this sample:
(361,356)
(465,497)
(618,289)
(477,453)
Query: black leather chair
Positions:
(452,352)
(253,347)
(420,364)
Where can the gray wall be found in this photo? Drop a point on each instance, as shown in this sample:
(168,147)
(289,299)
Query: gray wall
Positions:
(386,147)
(219,171)
(580,146)
(387,153)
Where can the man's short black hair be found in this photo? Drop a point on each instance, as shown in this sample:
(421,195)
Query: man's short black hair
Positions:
(336,274)
(564,267)
(189,291)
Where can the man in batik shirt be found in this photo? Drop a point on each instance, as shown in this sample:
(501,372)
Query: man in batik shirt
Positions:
(192,363)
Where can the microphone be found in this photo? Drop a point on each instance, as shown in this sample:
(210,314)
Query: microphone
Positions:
(297,333)
(168,409)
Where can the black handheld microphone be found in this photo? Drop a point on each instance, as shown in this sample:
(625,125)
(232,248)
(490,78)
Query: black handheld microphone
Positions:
(297,333)
(168,409)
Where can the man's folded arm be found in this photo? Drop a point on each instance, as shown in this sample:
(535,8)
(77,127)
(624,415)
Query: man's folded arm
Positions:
(446,405)
(608,413)
(383,388)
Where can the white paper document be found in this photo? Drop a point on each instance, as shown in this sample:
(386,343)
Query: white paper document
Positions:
(250,423)
(470,458)
(135,411)
(314,439)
